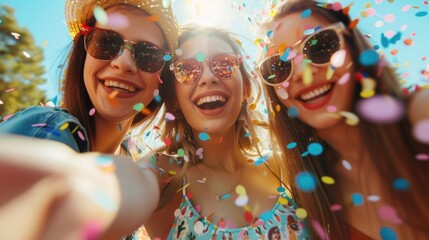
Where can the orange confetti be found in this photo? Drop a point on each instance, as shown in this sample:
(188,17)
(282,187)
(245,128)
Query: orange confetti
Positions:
(394,52)
(408,42)
(354,23)
(153,18)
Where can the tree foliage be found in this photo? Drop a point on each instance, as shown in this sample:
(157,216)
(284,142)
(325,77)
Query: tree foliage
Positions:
(21,69)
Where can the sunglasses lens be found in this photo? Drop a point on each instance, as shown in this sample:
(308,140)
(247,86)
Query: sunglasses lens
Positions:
(225,65)
(148,57)
(321,46)
(103,44)
(275,71)
(187,71)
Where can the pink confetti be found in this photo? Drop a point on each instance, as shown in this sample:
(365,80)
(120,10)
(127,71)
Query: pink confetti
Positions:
(79,133)
(405,8)
(344,79)
(370,12)
(421,131)
(389,213)
(381,109)
(422,157)
(91,231)
(5,118)
(319,229)
(170,116)
(336,6)
(10,90)
(389,18)
(92,112)
(331,108)
(38,125)
(336,207)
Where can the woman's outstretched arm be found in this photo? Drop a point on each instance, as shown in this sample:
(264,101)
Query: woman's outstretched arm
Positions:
(57,193)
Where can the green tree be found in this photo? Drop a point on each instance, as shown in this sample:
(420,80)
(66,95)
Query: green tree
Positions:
(21,66)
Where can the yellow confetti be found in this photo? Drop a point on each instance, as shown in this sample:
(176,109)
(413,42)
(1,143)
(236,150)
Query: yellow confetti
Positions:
(307,74)
(253,106)
(329,73)
(64,126)
(240,190)
(283,201)
(187,185)
(351,118)
(171,172)
(328,180)
(368,86)
(301,213)
(278,107)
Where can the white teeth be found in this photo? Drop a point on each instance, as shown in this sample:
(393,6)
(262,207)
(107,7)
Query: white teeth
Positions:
(207,99)
(316,92)
(109,83)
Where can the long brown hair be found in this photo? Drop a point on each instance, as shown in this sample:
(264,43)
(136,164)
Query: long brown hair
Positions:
(243,146)
(75,96)
(390,145)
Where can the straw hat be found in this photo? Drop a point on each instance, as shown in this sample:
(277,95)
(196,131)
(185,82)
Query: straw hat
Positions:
(79,12)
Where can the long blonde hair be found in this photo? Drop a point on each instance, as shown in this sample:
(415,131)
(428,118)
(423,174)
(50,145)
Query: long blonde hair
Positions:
(396,139)
(244,145)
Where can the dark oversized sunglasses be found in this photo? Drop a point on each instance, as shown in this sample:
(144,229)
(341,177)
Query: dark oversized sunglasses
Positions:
(317,47)
(106,44)
(189,71)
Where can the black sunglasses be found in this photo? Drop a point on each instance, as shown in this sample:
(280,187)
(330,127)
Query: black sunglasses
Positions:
(224,65)
(317,47)
(106,44)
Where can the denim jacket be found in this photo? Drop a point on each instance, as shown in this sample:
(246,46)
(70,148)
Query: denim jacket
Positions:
(48,123)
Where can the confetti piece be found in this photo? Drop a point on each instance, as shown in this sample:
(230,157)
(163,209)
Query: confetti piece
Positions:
(315,149)
(338,58)
(351,118)
(138,107)
(368,57)
(241,201)
(421,14)
(421,131)
(331,109)
(240,190)
(381,109)
(64,126)
(184,187)
(306,13)
(305,181)
(293,111)
(92,112)
(344,79)
(281,189)
(389,18)
(336,207)
(328,180)
(248,216)
(9,90)
(181,152)
(330,72)
(353,23)
(81,136)
(166,3)
(204,136)
(91,231)
(401,184)
(200,57)
(26,54)
(387,233)
(373,198)
(389,213)
(422,157)
(39,125)
(291,145)
(301,213)
(282,93)
(357,199)
(307,75)
(320,231)
(169,116)
(100,15)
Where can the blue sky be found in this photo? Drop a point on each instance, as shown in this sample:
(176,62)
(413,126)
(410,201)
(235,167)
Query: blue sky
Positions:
(45,20)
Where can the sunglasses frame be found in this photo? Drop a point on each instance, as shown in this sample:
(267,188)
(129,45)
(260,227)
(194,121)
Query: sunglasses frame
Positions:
(339,28)
(174,66)
(127,44)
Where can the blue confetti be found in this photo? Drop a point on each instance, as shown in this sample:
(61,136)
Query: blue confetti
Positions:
(368,57)
(285,54)
(266,216)
(167,57)
(401,184)
(387,233)
(357,199)
(293,112)
(204,136)
(306,181)
(315,149)
(291,145)
(421,14)
(281,189)
(306,13)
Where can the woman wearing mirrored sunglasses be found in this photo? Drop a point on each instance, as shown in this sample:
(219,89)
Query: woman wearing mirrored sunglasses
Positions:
(314,81)
(211,149)
(113,72)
